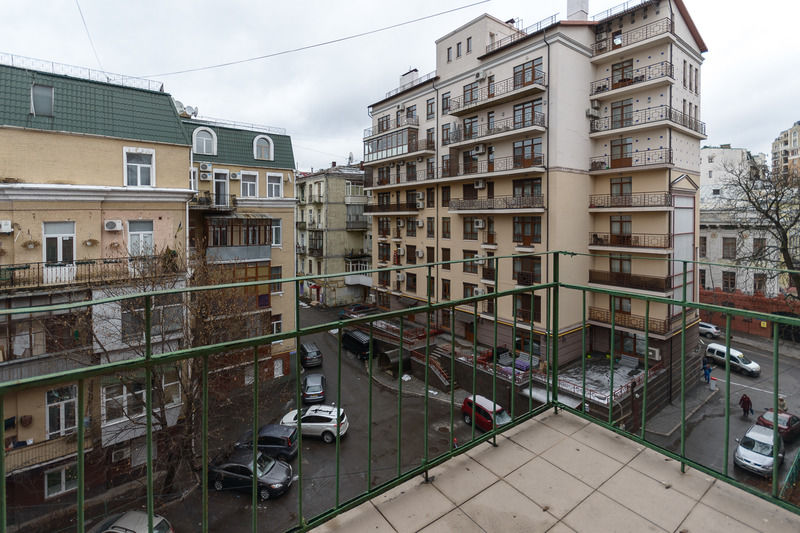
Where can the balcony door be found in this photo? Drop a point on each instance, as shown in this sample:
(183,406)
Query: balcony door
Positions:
(622,113)
(622,74)
(621,152)
(621,226)
(59,252)
(221,189)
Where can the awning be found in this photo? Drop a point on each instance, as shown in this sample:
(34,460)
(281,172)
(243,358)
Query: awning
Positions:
(241,216)
(540,395)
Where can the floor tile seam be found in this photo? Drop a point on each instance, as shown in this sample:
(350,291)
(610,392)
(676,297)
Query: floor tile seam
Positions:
(621,464)
(426,524)
(632,510)
(563,436)
(672,486)
(559,430)
(515,469)
(557,519)
(386,518)
(700,500)
(569,474)
(606,454)
(458,505)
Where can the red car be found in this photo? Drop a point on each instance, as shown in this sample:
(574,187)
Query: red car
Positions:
(488,415)
(788,424)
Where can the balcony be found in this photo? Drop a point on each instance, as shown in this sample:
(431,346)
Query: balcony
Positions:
(315,251)
(613,42)
(631,240)
(499,129)
(216,202)
(525,278)
(647,118)
(608,87)
(418,147)
(300,249)
(660,284)
(392,208)
(498,92)
(356,223)
(648,158)
(23,456)
(633,201)
(489,239)
(499,204)
(488,273)
(389,125)
(485,168)
(301,224)
(520,34)
(316,198)
(252,252)
(659,326)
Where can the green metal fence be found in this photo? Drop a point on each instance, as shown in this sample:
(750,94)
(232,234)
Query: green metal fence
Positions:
(553,291)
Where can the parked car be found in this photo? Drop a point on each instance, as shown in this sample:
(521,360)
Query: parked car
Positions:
(788,424)
(236,473)
(716,353)
(274,440)
(487,414)
(132,522)
(754,452)
(310,355)
(319,421)
(357,311)
(709,330)
(357,343)
(314,388)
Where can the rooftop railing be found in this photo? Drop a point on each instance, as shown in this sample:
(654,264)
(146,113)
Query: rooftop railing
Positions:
(633,36)
(519,34)
(620,8)
(413,83)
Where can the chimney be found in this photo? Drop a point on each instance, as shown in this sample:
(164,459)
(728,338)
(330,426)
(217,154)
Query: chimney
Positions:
(577,9)
(409,77)
(333,164)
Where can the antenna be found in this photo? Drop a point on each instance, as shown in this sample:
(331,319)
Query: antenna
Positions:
(179,107)
(350,158)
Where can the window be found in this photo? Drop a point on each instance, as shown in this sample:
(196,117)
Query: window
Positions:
(525,114)
(193,179)
(528,153)
(449,54)
(62,411)
(140,237)
(622,305)
(759,283)
(445,289)
(469,290)
(469,44)
(165,317)
(205,141)
(275,186)
(622,113)
(527,73)
(446,196)
(458,49)
(729,281)
(527,270)
(716,192)
(122,400)
(276,272)
(139,167)
(703,246)
(621,225)
(263,148)
(445,258)
(621,152)
(249,185)
(431,228)
(620,264)
(430,169)
(42,100)
(383,251)
(470,232)
(471,94)
(276,323)
(384,123)
(430,108)
(411,282)
(430,253)
(729,247)
(411,254)
(759,246)
(59,242)
(621,74)
(702,278)
(471,127)
(445,103)
(470,267)
(527,187)
(684,72)
(411,111)
(446,134)
(527,230)
(411,227)
(527,312)
(60,480)
(445,227)
(711,159)
(430,195)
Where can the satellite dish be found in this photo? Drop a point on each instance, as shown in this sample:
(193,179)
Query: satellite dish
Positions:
(190,110)
(195,111)
(179,107)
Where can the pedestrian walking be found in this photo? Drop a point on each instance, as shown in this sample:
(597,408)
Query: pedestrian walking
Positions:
(707,373)
(746,404)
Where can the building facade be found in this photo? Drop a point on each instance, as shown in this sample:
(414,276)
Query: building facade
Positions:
(579,135)
(786,150)
(333,235)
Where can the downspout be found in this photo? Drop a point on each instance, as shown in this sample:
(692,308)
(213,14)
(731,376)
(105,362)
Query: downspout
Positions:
(547,156)
(436,225)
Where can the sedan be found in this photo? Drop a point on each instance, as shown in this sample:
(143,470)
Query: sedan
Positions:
(788,424)
(132,522)
(314,388)
(236,473)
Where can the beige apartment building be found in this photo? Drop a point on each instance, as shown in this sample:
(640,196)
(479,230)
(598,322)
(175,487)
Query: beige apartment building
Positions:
(786,150)
(579,135)
(333,235)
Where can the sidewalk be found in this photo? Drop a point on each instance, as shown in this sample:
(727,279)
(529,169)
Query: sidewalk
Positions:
(668,419)
(413,386)
(785,348)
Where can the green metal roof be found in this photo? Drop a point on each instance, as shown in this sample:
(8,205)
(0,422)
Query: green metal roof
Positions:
(235,146)
(91,107)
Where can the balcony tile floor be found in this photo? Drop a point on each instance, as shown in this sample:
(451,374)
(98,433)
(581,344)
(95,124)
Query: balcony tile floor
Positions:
(560,474)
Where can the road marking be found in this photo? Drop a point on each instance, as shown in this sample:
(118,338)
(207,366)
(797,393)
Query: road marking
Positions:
(746,386)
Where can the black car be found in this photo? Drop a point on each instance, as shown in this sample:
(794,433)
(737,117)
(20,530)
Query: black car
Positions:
(274,440)
(310,354)
(314,388)
(236,473)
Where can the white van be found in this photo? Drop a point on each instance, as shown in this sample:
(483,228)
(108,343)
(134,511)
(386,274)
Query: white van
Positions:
(716,352)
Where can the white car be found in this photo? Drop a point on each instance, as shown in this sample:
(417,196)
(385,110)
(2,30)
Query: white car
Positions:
(716,353)
(132,522)
(319,421)
(709,330)
(754,452)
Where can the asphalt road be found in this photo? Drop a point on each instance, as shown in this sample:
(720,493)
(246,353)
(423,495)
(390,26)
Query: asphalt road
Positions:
(231,511)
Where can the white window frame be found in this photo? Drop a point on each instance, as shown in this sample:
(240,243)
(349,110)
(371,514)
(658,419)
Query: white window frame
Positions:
(243,175)
(52,100)
(123,403)
(193,184)
(64,488)
(270,151)
(134,150)
(64,404)
(280,185)
(60,237)
(140,235)
(213,140)
(279,242)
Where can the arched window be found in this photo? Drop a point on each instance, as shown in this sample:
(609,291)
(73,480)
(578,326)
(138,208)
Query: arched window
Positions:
(263,148)
(204,141)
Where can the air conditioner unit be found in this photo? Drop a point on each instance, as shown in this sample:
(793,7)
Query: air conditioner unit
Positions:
(401,107)
(595,103)
(420,158)
(113,225)
(401,251)
(592,113)
(478,292)
(120,455)
(420,205)
(205,176)
(601,45)
(400,222)
(480,75)
(600,37)
(479,149)
(5,226)
(420,254)
(401,276)
(205,167)
(234,175)
(420,223)
(479,223)
(654,354)
(420,196)
(480,184)
(391,164)
(370,298)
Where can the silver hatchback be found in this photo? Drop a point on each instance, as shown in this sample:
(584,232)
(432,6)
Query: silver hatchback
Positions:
(754,452)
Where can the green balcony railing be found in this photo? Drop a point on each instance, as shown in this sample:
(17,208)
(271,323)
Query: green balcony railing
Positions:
(139,388)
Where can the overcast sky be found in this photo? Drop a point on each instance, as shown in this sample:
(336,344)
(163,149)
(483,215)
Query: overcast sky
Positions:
(750,78)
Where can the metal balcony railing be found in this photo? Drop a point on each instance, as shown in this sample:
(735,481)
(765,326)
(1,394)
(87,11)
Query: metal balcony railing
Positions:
(494,90)
(647,116)
(498,202)
(356,223)
(413,83)
(315,251)
(638,199)
(523,277)
(213,201)
(664,69)
(519,34)
(300,249)
(620,40)
(661,156)
(631,281)
(388,125)
(631,240)
(409,451)
(486,129)
(411,147)
(301,224)
(391,207)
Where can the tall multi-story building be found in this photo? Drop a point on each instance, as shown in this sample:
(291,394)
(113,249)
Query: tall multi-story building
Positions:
(786,150)
(93,193)
(242,218)
(333,234)
(578,135)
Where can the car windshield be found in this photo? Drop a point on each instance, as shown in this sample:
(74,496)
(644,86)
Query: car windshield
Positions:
(264,464)
(761,448)
(314,388)
(501,417)
(744,360)
(783,418)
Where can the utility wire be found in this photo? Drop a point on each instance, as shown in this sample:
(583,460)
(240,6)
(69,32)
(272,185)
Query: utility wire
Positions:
(317,45)
(89,35)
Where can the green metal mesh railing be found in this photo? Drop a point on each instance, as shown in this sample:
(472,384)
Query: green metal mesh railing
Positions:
(476,368)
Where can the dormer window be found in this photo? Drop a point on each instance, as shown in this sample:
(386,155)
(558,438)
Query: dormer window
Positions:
(42,100)
(263,148)
(204,141)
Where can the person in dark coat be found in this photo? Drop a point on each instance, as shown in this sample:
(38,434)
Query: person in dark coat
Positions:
(746,404)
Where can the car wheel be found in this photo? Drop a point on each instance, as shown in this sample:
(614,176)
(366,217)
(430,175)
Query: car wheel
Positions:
(468,420)
(709,335)
(218,485)
(328,437)
(264,494)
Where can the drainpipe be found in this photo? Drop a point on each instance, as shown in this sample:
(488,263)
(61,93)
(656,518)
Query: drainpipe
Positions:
(547,155)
